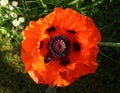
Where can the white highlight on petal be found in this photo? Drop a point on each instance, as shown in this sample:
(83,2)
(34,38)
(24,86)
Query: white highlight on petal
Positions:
(32,75)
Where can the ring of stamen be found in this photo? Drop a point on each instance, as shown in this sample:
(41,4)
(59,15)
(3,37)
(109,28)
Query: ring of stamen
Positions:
(59,46)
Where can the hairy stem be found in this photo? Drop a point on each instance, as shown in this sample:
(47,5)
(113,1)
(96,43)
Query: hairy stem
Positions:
(109,44)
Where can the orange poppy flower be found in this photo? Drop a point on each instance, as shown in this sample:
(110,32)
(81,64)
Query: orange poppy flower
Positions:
(59,48)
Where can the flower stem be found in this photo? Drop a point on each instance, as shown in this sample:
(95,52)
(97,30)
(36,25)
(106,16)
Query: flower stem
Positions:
(109,44)
(51,90)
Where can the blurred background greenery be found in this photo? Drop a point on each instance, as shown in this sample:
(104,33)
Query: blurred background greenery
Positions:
(106,15)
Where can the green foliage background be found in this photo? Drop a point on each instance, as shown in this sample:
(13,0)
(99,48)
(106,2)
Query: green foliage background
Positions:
(106,15)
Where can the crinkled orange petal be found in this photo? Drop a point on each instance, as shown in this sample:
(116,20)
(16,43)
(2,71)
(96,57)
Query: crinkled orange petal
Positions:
(29,44)
(81,69)
(68,19)
(50,74)
(63,80)
(44,51)
(32,31)
(27,59)
(30,35)
(58,18)
(94,51)
(39,60)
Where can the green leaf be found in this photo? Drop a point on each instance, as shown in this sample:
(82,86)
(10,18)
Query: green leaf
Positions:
(73,2)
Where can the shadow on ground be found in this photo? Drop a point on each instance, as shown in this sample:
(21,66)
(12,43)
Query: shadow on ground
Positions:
(14,80)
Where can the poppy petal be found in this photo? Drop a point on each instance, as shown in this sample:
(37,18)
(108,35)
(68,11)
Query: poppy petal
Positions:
(27,59)
(51,72)
(81,69)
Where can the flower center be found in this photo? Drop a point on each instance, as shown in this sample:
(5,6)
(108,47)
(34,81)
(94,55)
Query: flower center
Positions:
(59,46)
